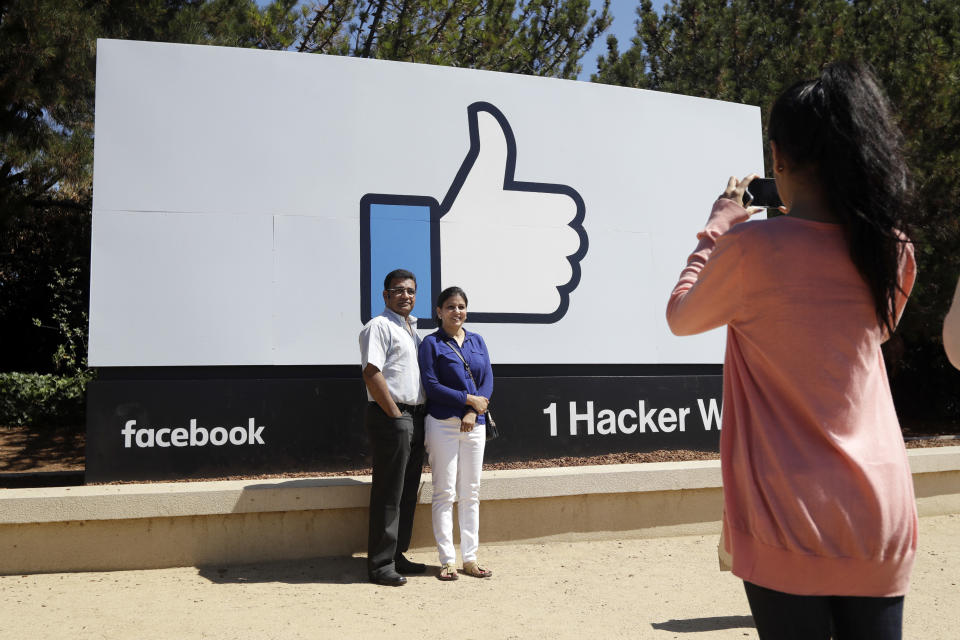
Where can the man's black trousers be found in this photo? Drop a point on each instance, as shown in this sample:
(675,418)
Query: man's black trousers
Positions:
(397,448)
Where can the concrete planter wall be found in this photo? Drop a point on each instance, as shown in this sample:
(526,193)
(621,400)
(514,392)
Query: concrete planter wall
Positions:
(97,528)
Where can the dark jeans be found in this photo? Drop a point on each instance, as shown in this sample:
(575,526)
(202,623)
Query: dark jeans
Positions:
(784,616)
(397,445)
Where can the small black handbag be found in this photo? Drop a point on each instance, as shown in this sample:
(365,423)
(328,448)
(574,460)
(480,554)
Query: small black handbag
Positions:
(492,431)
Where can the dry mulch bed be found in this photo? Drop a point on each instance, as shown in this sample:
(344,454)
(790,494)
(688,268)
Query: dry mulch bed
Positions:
(23,449)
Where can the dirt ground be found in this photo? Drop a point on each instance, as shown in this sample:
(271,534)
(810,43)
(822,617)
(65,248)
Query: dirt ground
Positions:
(659,588)
(27,450)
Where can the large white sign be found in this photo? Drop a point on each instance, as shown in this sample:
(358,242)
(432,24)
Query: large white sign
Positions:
(248,204)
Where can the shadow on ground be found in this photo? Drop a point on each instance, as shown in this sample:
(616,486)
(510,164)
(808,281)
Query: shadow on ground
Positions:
(698,625)
(336,570)
(46,449)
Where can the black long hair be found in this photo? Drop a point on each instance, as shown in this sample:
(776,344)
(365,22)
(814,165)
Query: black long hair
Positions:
(841,127)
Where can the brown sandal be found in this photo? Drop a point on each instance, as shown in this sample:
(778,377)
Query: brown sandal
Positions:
(448,572)
(475,570)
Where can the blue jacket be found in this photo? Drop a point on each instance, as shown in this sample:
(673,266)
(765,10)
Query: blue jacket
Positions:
(445,379)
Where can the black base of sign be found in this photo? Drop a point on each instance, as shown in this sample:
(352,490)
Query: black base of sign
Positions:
(160,424)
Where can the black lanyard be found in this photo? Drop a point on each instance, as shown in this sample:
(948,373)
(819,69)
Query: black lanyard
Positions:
(453,345)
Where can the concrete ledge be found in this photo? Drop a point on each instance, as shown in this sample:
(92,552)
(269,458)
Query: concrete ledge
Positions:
(165,500)
(183,524)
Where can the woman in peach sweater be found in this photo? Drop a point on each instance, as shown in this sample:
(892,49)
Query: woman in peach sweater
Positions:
(819,511)
(951,330)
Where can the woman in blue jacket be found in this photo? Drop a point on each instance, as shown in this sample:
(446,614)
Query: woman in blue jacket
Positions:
(458,380)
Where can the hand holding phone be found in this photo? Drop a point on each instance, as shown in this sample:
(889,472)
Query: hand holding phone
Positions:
(762,192)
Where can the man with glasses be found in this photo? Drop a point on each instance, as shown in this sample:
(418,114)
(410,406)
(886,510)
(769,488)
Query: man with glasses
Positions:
(394,420)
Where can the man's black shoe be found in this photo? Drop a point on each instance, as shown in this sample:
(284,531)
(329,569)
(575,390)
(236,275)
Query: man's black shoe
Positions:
(392,579)
(405,566)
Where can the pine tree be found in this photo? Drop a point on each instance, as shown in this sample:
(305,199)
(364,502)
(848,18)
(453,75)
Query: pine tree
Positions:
(535,37)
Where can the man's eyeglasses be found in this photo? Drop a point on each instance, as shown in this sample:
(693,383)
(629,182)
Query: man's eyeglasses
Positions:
(399,291)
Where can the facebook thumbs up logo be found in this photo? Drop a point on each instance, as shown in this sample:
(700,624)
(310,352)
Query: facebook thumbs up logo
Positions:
(515,247)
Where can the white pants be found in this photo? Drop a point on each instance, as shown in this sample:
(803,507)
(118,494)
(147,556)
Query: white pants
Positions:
(456,459)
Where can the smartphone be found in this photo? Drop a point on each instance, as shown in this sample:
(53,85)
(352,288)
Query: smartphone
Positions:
(762,192)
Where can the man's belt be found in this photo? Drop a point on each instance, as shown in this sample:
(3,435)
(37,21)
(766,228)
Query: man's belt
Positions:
(413,409)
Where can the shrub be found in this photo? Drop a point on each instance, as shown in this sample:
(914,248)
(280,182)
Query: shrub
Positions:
(43,400)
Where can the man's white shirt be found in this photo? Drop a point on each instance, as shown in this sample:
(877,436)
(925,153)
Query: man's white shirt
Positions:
(387,344)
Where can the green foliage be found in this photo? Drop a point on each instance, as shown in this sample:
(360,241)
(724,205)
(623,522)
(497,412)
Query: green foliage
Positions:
(44,275)
(46,86)
(227,23)
(69,322)
(750,50)
(41,274)
(43,400)
(535,37)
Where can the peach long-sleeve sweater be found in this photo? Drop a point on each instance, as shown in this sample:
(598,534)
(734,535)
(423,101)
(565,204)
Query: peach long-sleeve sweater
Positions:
(818,495)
